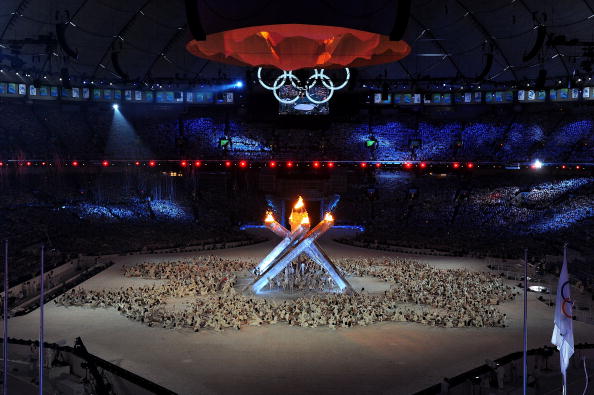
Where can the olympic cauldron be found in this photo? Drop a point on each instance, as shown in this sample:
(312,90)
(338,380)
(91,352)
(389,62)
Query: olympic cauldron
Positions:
(300,239)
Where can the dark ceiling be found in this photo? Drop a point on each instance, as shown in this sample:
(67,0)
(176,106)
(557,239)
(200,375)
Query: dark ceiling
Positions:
(450,38)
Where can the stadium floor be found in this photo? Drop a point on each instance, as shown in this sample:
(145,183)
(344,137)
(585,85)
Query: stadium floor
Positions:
(394,358)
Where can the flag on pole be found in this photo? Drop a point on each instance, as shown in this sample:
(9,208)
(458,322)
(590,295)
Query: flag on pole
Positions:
(563,330)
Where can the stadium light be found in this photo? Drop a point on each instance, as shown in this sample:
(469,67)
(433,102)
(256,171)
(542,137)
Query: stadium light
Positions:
(537,164)
(239,84)
(115,106)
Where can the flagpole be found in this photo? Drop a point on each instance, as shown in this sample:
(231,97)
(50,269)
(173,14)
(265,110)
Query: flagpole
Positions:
(525,359)
(5,314)
(41,305)
(565,372)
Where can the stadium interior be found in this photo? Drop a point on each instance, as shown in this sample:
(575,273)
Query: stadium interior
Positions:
(154,157)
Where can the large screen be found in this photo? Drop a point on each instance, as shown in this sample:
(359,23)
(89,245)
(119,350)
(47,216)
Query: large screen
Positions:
(303,105)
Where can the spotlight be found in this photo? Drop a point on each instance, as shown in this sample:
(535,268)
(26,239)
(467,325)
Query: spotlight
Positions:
(330,164)
(363,165)
(197,163)
(105,163)
(537,164)
(1,164)
(316,164)
(470,165)
(456,165)
(239,84)
(423,165)
(408,165)
(227,164)
(137,163)
(115,106)
(289,164)
(28,163)
(183,163)
(272,164)
(74,163)
(242,163)
(378,165)
(152,163)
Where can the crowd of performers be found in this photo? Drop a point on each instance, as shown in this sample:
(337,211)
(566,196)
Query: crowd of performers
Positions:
(202,293)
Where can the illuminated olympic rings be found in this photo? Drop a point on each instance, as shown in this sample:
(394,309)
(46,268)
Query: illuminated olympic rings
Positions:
(566,301)
(318,76)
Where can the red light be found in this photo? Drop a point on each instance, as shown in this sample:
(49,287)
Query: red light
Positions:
(470,165)
(43,163)
(152,163)
(137,163)
(105,163)
(577,167)
(74,163)
(1,164)
(242,163)
(563,167)
(316,164)
(272,164)
(289,164)
(456,165)
(228,164)
(330,164)
(28,163)
(378,165)
(197,163)
(184,163)
(423,165)
(408,165)
(363,164)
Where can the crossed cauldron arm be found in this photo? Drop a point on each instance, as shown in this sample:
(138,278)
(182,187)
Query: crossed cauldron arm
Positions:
(301,239)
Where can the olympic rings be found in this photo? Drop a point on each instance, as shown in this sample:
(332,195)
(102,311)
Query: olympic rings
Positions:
(566,301)
(303,89)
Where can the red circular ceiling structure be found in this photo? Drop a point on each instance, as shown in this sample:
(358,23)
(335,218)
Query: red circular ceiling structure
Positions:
(299,46)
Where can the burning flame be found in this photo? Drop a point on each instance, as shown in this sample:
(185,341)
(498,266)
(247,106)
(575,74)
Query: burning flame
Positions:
(305,221)
(328,217)
(299,203)
(269,217)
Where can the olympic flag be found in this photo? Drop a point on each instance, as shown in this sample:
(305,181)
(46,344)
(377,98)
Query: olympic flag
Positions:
(563,330)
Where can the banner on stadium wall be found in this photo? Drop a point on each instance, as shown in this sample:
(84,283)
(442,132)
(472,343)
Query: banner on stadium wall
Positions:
(86,93)
(32,90)
(22,89)
(128,95)
(138,95)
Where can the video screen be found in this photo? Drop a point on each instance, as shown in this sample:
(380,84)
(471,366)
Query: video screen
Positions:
(303,105)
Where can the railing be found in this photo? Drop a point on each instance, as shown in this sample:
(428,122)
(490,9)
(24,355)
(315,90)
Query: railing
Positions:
(120,380)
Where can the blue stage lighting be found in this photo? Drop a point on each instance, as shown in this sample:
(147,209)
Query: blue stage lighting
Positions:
(115,106)
(239,84)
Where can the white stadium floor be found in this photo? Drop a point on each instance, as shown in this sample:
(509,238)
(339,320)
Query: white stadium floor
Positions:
(394,358)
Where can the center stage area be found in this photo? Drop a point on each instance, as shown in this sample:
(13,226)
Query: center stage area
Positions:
(388,357)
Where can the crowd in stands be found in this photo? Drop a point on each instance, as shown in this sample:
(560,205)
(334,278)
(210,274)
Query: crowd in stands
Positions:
(418,293)
(67,131)
(488,215)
